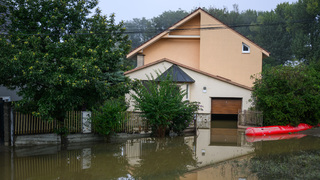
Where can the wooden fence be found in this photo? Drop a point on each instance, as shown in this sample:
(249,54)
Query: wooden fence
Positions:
(250,118)
(28,124)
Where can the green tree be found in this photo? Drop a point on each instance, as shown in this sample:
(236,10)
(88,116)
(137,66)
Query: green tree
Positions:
(167,19)
(303,24)
(139,31)
(271,33)
(162,104)
(221,14)
(288,95)
(248,18)
(60,59)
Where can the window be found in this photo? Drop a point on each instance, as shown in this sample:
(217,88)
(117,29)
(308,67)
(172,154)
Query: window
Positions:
(245,48)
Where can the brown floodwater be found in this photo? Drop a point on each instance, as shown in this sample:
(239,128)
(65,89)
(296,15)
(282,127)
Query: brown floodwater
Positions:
(221,152)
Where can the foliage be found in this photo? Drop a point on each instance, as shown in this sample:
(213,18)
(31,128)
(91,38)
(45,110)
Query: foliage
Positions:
(142,28)
(108,117)
(163,106)
(167,19)
(288,95)
(273,36)
(303,24)
(59,58)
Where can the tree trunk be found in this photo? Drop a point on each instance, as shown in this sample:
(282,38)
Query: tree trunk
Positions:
(63,132)
(161,131)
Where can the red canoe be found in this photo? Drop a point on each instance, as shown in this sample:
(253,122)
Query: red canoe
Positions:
(267,130)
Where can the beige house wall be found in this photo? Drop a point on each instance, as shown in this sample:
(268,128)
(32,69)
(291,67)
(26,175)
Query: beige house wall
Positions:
(182,50)
(221,53)
(215,88)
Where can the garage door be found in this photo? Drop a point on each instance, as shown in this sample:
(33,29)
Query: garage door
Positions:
(225,105)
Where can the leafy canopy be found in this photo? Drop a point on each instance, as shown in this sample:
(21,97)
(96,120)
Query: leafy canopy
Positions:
(59,58)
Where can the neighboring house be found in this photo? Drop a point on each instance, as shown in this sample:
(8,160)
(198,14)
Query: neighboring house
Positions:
(9,95)
(217,62)
(5,93)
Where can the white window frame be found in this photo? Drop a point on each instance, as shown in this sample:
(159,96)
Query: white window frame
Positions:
(245,45)
(187,91)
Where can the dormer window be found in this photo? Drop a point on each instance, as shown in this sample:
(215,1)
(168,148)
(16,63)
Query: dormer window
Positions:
(245,48)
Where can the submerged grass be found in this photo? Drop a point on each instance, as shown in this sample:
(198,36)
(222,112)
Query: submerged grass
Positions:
(297,165)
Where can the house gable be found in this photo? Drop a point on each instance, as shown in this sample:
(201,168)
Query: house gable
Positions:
(205,43)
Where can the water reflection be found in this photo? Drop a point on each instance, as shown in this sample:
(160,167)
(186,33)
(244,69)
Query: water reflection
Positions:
(274,137)
(216,153)
(218,145)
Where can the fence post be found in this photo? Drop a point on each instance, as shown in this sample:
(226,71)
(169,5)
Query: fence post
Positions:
(86,122)
(11,124)
(8,124)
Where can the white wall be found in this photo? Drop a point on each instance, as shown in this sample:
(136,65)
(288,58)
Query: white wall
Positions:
(215,88)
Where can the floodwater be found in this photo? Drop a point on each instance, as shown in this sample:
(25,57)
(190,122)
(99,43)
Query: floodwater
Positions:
(221,152)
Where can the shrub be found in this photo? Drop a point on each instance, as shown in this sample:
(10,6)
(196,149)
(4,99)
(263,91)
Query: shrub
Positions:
(288,95)
(108,117)
(162,105)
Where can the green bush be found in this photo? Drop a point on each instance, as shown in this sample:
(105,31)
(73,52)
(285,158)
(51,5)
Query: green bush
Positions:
(108,117)
(288,95)
(162,105)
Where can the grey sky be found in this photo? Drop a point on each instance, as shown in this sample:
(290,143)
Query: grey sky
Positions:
(129,9)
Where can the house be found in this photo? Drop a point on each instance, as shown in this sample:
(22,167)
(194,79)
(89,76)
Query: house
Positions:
(217,61)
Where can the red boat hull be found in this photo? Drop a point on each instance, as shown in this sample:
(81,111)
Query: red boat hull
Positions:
(268,130)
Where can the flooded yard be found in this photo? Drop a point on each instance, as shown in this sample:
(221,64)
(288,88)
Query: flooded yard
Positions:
(221,152)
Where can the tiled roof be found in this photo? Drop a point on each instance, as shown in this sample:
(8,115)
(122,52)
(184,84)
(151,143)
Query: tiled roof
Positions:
(177,75)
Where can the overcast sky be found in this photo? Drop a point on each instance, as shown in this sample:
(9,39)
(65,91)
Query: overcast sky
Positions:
(129,9)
